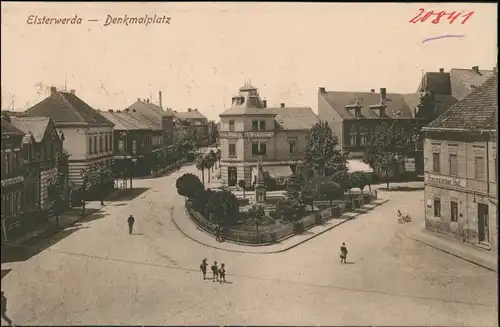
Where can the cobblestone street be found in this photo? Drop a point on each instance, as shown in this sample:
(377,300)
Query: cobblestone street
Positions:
(99,274)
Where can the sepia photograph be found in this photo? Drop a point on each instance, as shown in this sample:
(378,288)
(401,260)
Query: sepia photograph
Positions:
(249,163)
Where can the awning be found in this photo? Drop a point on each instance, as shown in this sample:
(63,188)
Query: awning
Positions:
(358,166)
(278,171)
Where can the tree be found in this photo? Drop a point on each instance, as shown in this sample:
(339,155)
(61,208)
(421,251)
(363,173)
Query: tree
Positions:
(86,184)
(223,208)
(321,153)
(188,185)
(343,179)
(309,193)
(201,199)
(213,159)
(201,165)
(329,189)
(243,185)
(209,164)
(55,190)
(387,149)
(100,175)
(360,179)
(293,186)
(218,155)
(257,212)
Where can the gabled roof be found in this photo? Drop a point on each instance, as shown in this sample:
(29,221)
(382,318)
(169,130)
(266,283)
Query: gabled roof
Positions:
(295,118)
(123,120)
(150,109)
(476,112)
(193,114)
(9,129)
(37,126)
(438,82)
(67,108)
(463,81)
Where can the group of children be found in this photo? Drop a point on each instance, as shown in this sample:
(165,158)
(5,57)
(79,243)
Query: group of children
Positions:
(218,274)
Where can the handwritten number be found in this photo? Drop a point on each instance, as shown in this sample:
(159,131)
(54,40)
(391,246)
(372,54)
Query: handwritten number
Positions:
(438,18)
(453,16)
(415,19)
(429,14)
(467,16)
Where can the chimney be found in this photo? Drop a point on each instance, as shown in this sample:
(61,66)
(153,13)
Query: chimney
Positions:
(372,91)
(159,96)
(475,69)
(126,110)
(196,109)
(189,109)
(147,100)
(139,99)
(110,110)
(322,90)
(282,105)
(53,90)
(441,70)
(72,91)
(264,103)
(143,100)
(383,94)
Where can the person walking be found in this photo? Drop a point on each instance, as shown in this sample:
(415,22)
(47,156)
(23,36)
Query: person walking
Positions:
(221,234)
(222,273)
(215,272)
(131,221)
(203,268)
(4,310)
(217,233)
(343,253)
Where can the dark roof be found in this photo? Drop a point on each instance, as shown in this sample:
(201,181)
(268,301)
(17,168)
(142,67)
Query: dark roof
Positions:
(437,82)
(295,118)
(463,81)
(37,126)
(193,114)
(8,128)
(67,108)
(476,112)
(247,102)
(151,110)
(123,120)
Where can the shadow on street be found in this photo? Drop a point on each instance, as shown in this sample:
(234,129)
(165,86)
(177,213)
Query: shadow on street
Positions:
(130,195)
(5,272)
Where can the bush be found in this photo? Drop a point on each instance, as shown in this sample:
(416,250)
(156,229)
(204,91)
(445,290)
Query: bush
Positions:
(200,201)
(243,202)
(335,212)
(223,208)
(298,227)
(317,218)
(188,185)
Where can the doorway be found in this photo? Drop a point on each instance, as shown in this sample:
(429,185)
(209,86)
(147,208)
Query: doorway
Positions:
(232,176)
(483,223)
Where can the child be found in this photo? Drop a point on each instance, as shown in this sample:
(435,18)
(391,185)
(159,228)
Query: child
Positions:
(343,253)
(215,272)
(222,273)
(203,268)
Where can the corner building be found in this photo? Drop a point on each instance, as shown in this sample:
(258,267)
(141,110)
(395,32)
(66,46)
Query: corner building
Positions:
(460,159)
(250,131)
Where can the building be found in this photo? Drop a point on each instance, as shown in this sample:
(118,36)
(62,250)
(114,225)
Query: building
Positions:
(354,116)
(46,162)
(460,150)
(12,178)
(163,119)
(133,144)
(457,82)
(250,131)
(88,134)
(193,119)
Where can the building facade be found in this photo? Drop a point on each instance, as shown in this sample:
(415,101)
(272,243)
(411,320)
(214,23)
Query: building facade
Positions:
(193,119)
(461,169)
(354,116)
(250,131)
(88,136)
(12,178)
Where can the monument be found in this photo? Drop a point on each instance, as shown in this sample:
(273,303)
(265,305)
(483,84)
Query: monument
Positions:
(260,187)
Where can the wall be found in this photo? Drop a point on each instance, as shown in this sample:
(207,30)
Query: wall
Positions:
(282,145)
(75,142)
(328,114)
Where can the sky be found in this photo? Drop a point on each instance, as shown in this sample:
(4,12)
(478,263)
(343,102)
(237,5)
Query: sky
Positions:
(209,50)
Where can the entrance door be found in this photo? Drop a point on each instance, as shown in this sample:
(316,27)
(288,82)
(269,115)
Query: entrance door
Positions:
(232,176)
(483,223)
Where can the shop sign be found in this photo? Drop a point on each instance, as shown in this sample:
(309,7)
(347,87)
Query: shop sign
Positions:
(410,164)
(445,181)
(236,135)
(12,181)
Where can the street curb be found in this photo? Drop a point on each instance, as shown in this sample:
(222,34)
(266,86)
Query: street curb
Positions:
(453,253)
(270,252)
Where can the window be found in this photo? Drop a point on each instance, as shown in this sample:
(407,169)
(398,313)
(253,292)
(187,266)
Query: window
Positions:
(232,150)
(292,146)
(95,144)
(357,113)
(436,164)
(453,162)
(363,139)
(255,125)
(454,210)
(262,125)
(258,148)
(106,142)
(437,207)
(134,146)
(231,125)
(479,167)
(101,143)
(91,145)
(121,146)
(353,139)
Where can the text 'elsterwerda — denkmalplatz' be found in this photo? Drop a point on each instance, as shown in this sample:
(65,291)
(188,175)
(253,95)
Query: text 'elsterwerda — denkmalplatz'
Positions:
(136,20)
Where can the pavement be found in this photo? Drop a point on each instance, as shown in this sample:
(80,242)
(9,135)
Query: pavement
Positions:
(95,273)
(190,229)
(485,258)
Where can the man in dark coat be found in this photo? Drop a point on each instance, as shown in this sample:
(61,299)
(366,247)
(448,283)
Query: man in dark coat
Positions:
(215,272)
(203,268)
(131,222)
(343,253)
